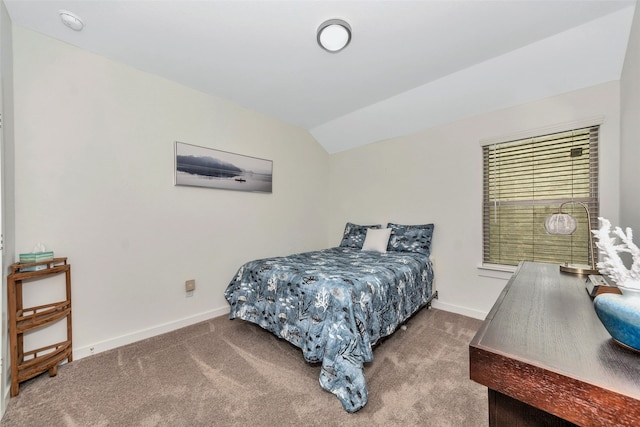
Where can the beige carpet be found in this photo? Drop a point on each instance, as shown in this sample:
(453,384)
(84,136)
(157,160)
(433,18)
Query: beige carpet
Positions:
(223,372)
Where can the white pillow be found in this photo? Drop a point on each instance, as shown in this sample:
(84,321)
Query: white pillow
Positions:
(376,240)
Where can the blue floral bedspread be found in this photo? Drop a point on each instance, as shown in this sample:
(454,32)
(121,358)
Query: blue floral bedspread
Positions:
(334,304)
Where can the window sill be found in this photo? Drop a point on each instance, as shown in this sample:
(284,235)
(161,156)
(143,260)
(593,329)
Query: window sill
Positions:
(496,271)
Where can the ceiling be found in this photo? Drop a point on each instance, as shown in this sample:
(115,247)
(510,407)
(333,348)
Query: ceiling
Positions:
(411,65)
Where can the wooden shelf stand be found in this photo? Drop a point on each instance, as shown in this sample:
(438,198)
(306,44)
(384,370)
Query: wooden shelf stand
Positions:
(28,364)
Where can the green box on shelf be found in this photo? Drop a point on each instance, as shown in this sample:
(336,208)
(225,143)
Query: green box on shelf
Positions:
(31,257)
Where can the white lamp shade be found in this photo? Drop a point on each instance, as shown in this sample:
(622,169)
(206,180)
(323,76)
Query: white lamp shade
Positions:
(560,224)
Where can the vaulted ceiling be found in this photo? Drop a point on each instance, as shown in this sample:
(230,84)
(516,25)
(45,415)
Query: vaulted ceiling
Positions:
(411,65)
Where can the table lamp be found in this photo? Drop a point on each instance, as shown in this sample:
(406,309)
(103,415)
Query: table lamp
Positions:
(560,224)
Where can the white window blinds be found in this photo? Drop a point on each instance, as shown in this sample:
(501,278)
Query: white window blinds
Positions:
(525,181)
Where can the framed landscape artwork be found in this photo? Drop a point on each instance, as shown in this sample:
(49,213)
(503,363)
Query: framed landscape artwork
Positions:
(205,167)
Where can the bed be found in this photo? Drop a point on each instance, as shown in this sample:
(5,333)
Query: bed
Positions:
(336,304)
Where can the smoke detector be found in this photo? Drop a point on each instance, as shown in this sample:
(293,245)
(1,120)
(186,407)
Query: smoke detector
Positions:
(71,20)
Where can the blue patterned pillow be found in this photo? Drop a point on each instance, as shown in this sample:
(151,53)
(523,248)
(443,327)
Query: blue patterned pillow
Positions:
(354,235)
(410,238)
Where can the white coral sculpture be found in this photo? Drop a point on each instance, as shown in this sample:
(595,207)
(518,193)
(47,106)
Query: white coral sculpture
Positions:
(611,264)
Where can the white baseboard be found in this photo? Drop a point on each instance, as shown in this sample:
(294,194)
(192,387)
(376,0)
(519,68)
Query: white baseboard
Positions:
(99,347)
(469,312)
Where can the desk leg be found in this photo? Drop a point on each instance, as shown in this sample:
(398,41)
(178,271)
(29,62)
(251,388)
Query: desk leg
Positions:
(505,411)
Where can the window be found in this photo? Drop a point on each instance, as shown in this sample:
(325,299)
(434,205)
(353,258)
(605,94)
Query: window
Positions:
(525,181)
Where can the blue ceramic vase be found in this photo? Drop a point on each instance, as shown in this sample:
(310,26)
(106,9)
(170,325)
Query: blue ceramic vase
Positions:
(620,315)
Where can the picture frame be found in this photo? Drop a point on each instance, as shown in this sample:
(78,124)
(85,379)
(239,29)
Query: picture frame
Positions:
(197,166)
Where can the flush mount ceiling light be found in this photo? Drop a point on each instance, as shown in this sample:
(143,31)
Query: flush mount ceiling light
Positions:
(334,35)
(71,20)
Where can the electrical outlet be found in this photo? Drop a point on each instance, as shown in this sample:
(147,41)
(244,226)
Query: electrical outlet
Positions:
(190,285)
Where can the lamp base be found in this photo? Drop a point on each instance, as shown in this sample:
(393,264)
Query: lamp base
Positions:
(578,269)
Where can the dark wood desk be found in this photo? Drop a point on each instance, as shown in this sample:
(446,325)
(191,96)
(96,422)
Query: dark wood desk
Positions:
(547,360)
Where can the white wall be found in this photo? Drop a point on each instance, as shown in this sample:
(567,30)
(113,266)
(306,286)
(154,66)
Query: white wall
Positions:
(7,182)
(436,176)
(630,132)
(94,167)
